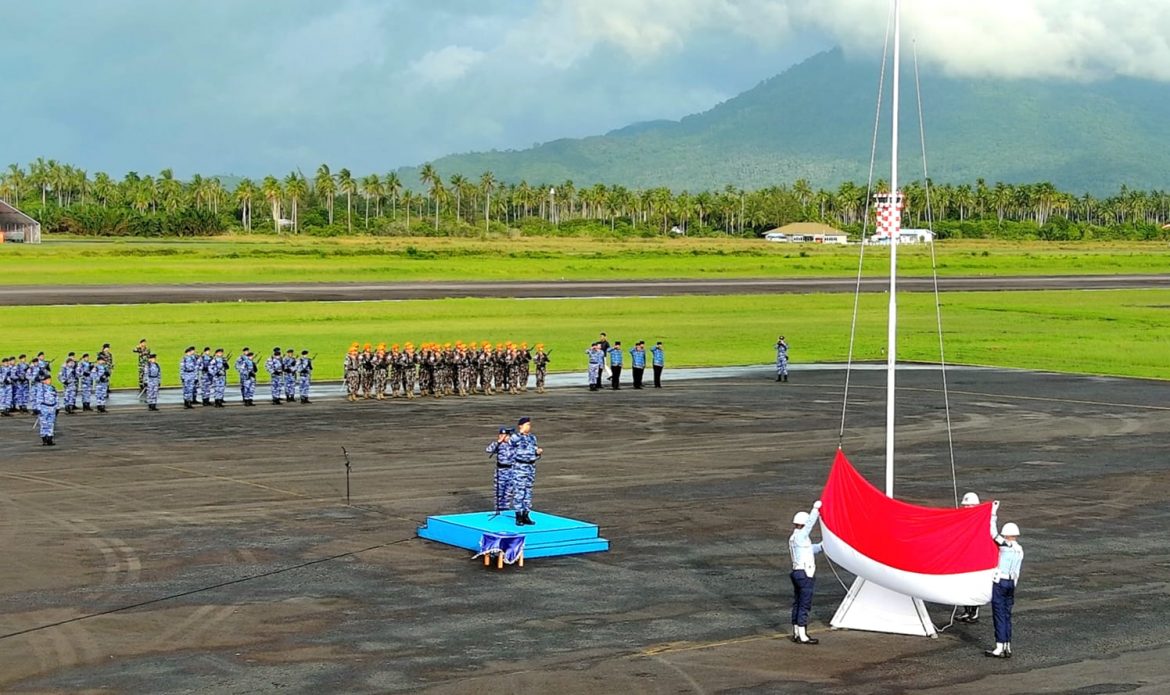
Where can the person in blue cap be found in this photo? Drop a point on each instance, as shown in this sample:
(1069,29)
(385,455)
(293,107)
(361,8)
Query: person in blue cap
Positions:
(47,409)
(525,453)
(152,372)
(502,449)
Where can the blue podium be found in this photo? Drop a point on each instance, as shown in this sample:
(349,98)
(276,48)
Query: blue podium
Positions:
(550,536)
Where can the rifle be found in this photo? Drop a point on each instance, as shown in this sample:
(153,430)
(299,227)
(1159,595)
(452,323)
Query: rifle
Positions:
(346,454)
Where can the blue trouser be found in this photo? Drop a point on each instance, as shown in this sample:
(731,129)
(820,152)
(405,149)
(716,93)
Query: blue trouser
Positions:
(1003,597)
(48,419)
(205,386)
(71,393)
(594,374)
(101,392)
(782,366)
(248,388)
(86,390)
(503,487)
(152,391)
(523,476)
(20,394)
(218,384)
(290,386)
(189,383)
(5,397)
(303,382)
(275,386)
(802,595)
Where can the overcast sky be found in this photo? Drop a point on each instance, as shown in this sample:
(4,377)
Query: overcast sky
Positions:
(253,87)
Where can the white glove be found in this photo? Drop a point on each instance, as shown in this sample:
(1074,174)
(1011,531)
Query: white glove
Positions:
(995,505)
(817,504)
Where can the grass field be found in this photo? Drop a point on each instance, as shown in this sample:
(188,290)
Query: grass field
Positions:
(274,260)
(1124,332)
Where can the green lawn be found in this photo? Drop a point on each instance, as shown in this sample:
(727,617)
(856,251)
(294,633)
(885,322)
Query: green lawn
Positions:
(273,260)
(1124,332)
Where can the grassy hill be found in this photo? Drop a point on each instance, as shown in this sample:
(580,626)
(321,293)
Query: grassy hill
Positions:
(814,122)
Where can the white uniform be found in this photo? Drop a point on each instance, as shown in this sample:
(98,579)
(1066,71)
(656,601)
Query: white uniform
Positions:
(802,550)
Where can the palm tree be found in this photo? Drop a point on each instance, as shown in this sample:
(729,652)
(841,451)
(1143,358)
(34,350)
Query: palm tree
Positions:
(430,177)
(244,194)
(347,185)
(407,201)
(270,187)
(324,185)
(487,181)
(16,180)
(371,188)
(458,183)
(297,189)
(393,188)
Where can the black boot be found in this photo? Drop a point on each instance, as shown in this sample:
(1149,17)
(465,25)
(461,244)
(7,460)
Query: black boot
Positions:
(779,378)
(68,410)
(85,407)
(290,399)
(101,408)
(519,518)
(49,440)
(206,401)
(152,406)
(305,399)
(248,401)
(528,520)
(45,442)
(275,401)
(786,378)
(187,405)
(23,409)
(218,402)
(5,413)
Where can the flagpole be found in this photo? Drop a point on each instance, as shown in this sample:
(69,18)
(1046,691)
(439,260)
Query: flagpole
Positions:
(895,229)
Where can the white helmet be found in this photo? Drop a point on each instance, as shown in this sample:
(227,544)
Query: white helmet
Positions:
(1010,529)
(970,500)
(800,519)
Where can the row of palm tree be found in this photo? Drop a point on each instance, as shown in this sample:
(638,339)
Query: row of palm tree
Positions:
(469,201)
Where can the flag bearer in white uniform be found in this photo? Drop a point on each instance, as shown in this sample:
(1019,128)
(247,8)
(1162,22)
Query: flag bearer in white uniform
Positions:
(804,569)
(1003,587)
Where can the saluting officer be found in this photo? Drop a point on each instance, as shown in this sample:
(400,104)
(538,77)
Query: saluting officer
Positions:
(781,359)
(526,453)
(1003,587)
(658,357)
(615,365)
(804,568)
(505,455)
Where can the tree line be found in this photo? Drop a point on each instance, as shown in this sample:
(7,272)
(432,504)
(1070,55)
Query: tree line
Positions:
(67,199)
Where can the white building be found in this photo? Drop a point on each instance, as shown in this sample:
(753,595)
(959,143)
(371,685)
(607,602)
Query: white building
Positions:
(17,226)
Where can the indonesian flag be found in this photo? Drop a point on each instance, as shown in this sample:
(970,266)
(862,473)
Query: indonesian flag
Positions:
(938,555)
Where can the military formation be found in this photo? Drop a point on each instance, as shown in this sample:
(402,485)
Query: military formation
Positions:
(26,386)
(437,370)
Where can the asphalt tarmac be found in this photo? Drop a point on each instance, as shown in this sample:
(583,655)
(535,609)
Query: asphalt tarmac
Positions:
(213,550)
(13,295)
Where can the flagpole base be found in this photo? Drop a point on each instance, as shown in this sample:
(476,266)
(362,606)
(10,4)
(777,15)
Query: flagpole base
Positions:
(874,608)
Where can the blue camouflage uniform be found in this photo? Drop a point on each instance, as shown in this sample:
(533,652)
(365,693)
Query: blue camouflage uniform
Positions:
(189,376)
(781,360)
(101,385)
(596,361)
(615,365)
(48,409)
(217,373)
(20,385)
(523,470)
(275,366)
(304,372)
(205,376)
(6,399)
(289,365)
(247,371)
(152,372)
(85,379)
(67,375)
(33,377)
(505,461)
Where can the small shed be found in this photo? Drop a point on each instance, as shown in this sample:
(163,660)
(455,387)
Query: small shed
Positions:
(807,232)
(17,226)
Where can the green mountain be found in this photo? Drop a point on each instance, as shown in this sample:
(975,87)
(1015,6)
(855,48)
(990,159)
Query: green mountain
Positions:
(815,121)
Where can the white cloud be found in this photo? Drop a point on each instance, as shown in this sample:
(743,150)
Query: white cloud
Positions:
(446,64)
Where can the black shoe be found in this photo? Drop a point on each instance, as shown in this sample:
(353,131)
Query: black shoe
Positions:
(249,402)
(68,410)
(23,409)
(206,401)
(275,401)
(5,413)
(290,399)
(49,440)
(187,404)
(36,412)
(152,406)
(1001,655)
(45,442)
(778,378)
(101,408)
(786,378)
(218,402)
(810,640)
(519,519)
(528,520)
(85,407)
(306,400)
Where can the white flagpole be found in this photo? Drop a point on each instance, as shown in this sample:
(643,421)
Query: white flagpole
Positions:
(892,328)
